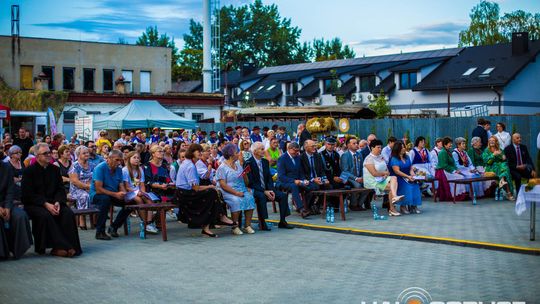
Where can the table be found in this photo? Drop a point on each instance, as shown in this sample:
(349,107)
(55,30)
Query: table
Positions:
(338,193)
(470,182)
(528,199)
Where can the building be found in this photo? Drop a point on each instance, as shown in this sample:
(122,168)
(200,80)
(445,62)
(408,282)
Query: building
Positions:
(99,77)
(501,77)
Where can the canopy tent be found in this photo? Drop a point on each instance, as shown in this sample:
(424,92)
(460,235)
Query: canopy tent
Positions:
(144,114)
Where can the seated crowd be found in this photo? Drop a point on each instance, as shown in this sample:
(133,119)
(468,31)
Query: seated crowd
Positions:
(221,179)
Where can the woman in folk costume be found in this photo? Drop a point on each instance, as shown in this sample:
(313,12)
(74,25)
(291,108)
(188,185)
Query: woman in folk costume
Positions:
(447,170)
(466,166)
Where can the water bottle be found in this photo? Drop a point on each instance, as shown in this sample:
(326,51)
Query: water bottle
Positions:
(474,198)
(497,194)
(502,195)
(128,225)
(328,214)
(269,225)
(376,215)
(243,220)
(142,232)
(345,208)
(332,218)
(6,224)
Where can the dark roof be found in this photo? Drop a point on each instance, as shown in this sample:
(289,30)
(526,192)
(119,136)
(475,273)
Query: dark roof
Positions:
(339,71)
(374,68)
(506,67)
(186,86)
(234,78)
(387,85)
(415,65)
(310,90)
(347,88)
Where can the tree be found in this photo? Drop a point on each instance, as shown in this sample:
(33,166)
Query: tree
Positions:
(331,50)
(122,40)
(254,33)
(484,27)
(487,27)
(380,105)
(151,37)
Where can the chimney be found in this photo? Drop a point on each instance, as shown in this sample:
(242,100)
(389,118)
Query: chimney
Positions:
(247,68)
(520,43)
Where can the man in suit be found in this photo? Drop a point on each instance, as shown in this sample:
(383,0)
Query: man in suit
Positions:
(302,134)
(519,161)
(291,177)
(263,187)
(481,132)
(351,163)
(313,168)
(366,150)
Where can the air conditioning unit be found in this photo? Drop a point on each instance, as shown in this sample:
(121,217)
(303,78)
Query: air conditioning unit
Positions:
(317,100)
(272,104)
(370,97)
(356,98)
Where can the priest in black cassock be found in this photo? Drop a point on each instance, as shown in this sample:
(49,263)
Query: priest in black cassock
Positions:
(44,199)
(15,232)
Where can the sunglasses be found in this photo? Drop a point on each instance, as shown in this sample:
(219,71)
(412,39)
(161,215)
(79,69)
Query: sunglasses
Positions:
(45,153)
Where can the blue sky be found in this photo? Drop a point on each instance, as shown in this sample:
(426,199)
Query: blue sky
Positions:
(370,27)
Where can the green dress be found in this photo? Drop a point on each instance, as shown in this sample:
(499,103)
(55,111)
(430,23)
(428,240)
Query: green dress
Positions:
(476,157)
(446,162)
(496,163)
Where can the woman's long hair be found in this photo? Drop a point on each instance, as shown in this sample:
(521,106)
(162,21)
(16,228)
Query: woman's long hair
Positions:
(497,147)
(130,167)
(396,150)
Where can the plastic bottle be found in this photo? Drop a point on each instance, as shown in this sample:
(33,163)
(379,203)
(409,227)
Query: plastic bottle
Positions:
(128,225)
(345,207)
(502,195)
(497,194)
(328,214)
(376,216)
(332,217)
(142,232)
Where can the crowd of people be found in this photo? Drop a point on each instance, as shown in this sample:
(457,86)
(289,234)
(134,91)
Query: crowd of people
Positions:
(221,178)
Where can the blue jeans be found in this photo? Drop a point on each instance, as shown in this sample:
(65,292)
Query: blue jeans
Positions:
(103,202)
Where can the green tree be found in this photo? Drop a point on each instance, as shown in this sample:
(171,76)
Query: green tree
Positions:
(151,37)
(330,50)
(380,106)
(488,27)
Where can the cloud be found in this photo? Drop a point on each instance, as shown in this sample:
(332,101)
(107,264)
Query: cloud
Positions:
(445,34)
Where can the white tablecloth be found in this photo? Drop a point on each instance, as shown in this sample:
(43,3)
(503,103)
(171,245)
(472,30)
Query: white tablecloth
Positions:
(524,199)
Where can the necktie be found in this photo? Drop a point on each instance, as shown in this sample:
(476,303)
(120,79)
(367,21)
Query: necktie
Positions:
(356,165)
(518,154)
(261,175)
(292,159)
(312,165)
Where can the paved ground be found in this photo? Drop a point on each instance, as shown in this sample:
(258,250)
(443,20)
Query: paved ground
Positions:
(298,266)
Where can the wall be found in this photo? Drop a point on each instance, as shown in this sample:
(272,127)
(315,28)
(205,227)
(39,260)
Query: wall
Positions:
(430,128)
(78,54)
(524,90)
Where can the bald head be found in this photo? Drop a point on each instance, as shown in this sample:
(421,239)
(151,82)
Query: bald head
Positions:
(310,146)
(516,139)
(371,137)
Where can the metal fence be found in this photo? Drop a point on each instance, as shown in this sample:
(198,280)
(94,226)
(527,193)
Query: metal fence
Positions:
(430,128)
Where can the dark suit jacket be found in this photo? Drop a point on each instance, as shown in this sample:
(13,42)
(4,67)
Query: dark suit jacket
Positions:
(318,162)
(511,156)
(482,133)
(365,152)
(7,186)
(331,164)
(254,175)
(40,185)
(305,135)
(288,171)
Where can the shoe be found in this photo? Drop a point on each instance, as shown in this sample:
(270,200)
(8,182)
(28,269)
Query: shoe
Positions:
(83,227)
(102,236)
(304,213)
(394,213)
(172,215)
(60,253)
(510,197)
(249,230)
(285,225)
(237,231)
(415,210)
(226,224)
(71,252)
(112,232)
(397,199)
(151,228)
(428,191)
(404,210)
(208,234)
(263,226)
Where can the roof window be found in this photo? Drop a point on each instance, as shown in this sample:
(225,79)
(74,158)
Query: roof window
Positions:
(271,87)
(487,71)
(469,72)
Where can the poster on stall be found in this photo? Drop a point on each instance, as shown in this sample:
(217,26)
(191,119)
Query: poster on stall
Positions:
(83,127)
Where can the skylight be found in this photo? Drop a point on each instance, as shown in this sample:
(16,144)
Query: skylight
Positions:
(260,88)
(271,87)
(487,71)
(469,71)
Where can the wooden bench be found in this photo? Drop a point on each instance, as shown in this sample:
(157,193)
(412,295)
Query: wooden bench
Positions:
(338,193)
(159,207)
(83,212)
(470,181)
(434,189)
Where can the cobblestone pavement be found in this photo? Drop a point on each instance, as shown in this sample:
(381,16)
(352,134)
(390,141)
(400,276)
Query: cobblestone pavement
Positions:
(291,266)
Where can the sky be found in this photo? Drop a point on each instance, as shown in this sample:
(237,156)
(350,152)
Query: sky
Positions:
(370,27)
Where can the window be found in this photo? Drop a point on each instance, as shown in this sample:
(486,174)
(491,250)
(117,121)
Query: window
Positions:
(367,83)
(69,116)
(291,88)
(181,114)
(271,87)
(260,88)
(68,79)
(407,80)
(128,78)
(88,79)
(49,71)
(27,77)
(108,76)
(469,72)
(197,116)
(487,71)
(331,85)
(145,82)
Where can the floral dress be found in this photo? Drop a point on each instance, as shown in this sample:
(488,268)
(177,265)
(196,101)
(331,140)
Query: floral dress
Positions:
(81,196)
(371,182)
(234,179)
(496,163)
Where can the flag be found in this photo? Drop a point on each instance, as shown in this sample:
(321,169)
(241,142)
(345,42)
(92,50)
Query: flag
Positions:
(52,121)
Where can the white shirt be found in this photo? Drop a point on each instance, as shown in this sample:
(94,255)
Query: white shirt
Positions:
(504,139)
(386,152)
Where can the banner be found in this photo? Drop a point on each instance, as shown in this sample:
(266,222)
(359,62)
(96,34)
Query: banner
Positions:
(83,127)
(52,121)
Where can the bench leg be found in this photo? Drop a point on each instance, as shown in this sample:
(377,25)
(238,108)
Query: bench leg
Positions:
(341,206)
(472,193)
(454,196)
(274,206)
(434,191)
(163,224)
(323,213)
